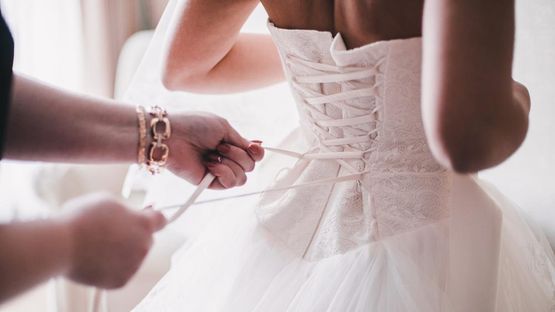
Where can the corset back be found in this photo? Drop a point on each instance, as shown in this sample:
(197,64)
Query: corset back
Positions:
(359,111)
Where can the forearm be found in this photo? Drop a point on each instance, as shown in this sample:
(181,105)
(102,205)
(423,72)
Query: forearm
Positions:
(207,53)
(31,253)
(48,124)
(472,119)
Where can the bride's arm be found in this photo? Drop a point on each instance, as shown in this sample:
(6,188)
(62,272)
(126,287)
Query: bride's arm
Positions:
(208,54)
(475,116)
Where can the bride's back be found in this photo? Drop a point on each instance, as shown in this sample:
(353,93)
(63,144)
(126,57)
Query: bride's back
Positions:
(359,21)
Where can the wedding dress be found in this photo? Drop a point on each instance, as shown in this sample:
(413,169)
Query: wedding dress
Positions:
(391,230)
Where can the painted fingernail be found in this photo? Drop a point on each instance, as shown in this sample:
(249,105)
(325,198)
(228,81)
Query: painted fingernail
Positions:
(223,148)
(253,149)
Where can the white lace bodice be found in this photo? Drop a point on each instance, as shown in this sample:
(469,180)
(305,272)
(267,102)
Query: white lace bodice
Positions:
(360,114)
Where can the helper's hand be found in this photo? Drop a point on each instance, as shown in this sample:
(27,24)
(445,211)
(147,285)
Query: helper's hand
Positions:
(109,240)
(202,142)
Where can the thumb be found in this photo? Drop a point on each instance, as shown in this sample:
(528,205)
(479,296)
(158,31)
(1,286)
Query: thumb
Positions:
(155,219)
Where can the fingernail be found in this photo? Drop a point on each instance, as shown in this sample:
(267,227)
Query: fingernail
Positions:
(257,142)
(223,148)
(254,149)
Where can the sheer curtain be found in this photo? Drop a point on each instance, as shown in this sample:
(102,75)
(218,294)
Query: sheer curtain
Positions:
(49,41)
(75,43)
(106,25)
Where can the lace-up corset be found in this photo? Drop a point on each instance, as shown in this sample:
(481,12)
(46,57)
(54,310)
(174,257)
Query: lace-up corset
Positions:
(342,129)
(360,116)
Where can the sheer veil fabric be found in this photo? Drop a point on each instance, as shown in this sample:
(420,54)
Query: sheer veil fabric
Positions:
(404,236)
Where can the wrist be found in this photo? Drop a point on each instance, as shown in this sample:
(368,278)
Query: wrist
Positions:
(154,132)
(116,126)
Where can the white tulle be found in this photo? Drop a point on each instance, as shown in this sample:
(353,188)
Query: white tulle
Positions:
(232,264)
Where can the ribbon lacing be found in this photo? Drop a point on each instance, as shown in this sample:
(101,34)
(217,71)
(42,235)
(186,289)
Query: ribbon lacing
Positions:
(328,147)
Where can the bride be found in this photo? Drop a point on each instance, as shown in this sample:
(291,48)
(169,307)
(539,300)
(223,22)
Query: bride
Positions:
(399,103)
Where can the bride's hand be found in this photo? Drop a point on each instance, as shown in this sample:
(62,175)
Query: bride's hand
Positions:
(202,142)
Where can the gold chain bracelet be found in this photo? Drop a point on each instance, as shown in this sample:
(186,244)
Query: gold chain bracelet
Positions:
(158,151)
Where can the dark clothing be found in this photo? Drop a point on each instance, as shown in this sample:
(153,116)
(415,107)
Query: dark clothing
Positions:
(6,75)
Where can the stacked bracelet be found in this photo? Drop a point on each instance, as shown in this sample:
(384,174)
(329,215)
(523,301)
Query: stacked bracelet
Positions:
(156,155)
(141,159)
(158,151)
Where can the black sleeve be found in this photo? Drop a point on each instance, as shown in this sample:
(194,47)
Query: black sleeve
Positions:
(6,75)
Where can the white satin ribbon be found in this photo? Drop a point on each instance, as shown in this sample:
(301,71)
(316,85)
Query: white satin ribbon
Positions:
(209,178)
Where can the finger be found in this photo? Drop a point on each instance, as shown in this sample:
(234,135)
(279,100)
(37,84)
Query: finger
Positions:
(155,219)
(234,138)
(216,185)
(238,171)
(225,175)
(238,155)
(256,151)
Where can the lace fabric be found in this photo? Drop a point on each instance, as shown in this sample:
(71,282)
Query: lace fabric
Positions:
(358,117)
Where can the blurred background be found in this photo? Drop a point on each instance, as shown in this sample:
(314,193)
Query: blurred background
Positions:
(97,47)
(89,46)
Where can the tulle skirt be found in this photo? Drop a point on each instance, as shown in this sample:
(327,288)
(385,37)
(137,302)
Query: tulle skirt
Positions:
(484,257)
